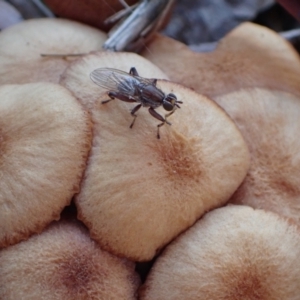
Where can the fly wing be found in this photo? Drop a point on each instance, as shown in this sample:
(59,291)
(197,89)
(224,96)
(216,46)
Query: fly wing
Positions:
(117,80)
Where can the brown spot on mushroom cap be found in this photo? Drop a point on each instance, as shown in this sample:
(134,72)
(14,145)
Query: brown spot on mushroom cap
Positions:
(64,263)
(249,56)
(183,167)
(77,79)
(232,253)
(270,123)
(139,192)
(45,140)
(21,47)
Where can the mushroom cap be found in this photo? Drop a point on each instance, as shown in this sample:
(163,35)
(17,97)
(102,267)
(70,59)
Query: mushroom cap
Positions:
(76,77)
(139,192)
(21,47)
(45,137)
(64,263)
(233,253)
(249,56)
(270,123)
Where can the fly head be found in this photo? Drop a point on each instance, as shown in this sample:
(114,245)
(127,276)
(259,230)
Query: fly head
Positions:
(170,101)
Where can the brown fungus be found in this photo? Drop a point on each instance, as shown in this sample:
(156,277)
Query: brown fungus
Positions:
(249,56)
(253,74)
(64,263)
(232,253)
(270,122)
(139,192)
(45,137)
(21,47)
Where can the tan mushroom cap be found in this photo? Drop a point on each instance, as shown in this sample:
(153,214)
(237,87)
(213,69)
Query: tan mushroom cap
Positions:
(64,263)
(249,56)
(21,47)
(45,137)
(233,253)
(270,123)
(139,192)
(76,77)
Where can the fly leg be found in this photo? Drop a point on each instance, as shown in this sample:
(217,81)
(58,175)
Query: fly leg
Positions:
(133,71)
(116,95)
(111,96)
(119,96)
(135,109)
(156,115)
(168,115)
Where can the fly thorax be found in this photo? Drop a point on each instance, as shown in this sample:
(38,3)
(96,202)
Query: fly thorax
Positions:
(152,96)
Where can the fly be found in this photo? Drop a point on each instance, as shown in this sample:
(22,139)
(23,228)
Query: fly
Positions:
(130,87)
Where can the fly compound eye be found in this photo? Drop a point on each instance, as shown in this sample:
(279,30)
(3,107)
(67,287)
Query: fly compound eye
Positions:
(171,98)
(169,102)
(168,105)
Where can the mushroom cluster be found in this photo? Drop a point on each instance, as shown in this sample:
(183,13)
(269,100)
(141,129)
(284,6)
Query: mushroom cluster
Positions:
(256,79)
(233,252)
(137,197)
